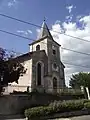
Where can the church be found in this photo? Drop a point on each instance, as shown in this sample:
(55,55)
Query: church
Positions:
(45,71)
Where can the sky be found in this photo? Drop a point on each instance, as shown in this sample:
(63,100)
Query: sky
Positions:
(71,17)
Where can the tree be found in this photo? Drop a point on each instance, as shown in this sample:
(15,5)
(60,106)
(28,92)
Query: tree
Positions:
(80,79)
(10,69)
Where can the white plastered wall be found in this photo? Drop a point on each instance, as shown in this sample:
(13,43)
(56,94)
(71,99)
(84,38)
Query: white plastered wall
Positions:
(24,80)
(43,45)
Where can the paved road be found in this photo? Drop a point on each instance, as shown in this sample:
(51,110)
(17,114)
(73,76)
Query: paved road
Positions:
(16,119)
(87,117)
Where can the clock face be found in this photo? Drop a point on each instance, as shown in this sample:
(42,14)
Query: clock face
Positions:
(55,67)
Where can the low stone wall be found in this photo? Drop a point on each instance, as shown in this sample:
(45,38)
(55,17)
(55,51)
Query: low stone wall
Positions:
(16,104)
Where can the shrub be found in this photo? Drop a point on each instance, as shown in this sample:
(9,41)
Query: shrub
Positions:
(37,111)
(57,107)
(68,105)
(73,93)
(87,105)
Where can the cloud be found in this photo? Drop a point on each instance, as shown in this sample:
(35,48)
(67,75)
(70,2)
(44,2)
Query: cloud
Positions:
(70,7)
(29,31)
(12,3)
(38,32)
(81,29)
(24,33)
(69,18)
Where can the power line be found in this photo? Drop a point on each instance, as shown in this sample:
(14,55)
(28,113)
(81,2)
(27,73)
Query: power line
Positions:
(29,23)
(63,62)
(40,27)
(44,43)
(76,37)
(75,65)
(10,33)
(75,51)
(19,20)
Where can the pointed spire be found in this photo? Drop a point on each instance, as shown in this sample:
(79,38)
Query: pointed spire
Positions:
(44,30)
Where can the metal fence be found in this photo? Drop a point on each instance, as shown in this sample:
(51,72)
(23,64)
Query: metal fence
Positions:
(22,88)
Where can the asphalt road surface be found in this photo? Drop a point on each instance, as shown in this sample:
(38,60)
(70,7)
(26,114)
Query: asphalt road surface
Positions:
(86,117)
(16,119)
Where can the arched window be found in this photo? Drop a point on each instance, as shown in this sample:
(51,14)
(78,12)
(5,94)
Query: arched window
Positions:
(54,83)
(38,74)
(54,50)
(37,47)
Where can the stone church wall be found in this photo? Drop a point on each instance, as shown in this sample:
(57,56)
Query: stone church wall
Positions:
(39,56)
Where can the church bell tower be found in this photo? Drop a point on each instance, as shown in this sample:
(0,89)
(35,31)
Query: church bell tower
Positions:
(54,67)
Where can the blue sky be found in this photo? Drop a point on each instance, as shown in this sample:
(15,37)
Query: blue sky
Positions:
(72,16)
(34,11)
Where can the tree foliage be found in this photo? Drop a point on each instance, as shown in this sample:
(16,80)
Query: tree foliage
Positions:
(80,79)
(10,68)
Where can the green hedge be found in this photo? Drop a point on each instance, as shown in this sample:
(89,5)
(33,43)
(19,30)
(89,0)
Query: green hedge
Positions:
(75,93)
(87,105)
(57,107)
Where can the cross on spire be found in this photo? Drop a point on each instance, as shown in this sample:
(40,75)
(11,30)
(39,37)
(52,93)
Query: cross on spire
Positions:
(44,19)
